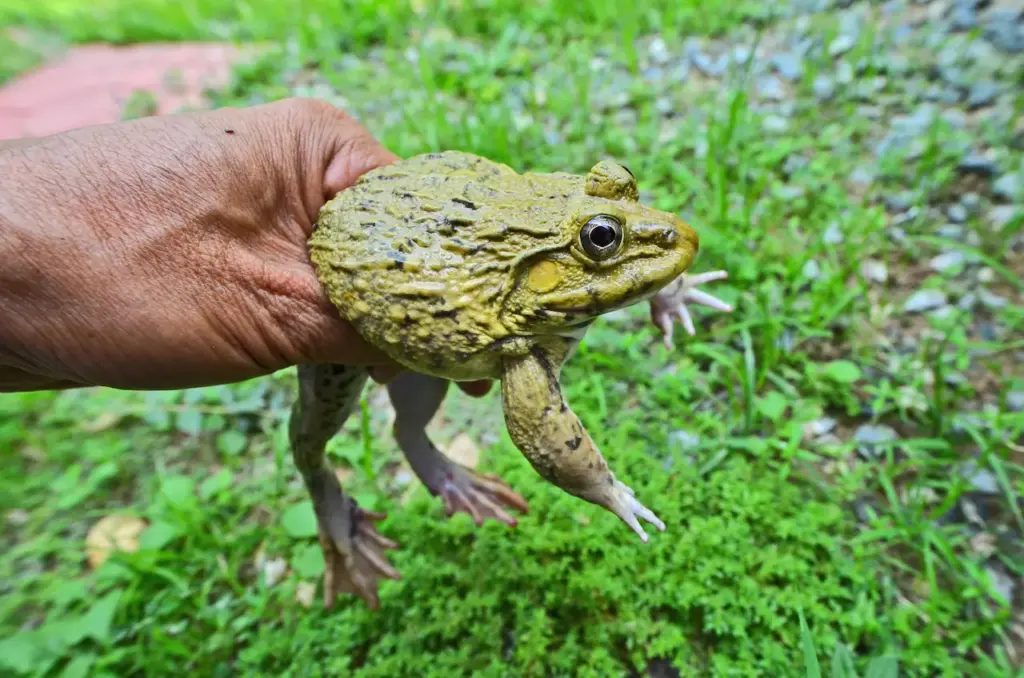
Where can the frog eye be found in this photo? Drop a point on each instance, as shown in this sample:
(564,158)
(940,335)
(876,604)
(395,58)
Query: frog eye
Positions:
(601,237)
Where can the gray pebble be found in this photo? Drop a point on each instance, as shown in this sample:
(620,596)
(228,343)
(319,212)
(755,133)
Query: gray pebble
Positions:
(789,192)
(982,94)
(944,94)
(841,44)
(1015,400)
(684,440)
(811,270)
(980,479)
(1001,215)
(971,202)
(947,260)
(875,271)
(962,16)
(967,302)
(818,427)
(833,235)
(991,299)
(863,175)
(658,52)
(1002,584)
(1005,31)
(771,88)
(924,300)
(789,65)
(1009,187)
(774,124)
(741,54)
(979,165)
(824,87)
(870,436)
(844,73)
(957,213)
(951,231)
(899,202)
(712,68)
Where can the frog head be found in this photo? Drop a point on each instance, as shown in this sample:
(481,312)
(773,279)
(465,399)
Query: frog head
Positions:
(614,251)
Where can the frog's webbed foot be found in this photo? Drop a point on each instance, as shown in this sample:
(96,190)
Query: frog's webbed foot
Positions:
(481,495)
(354,552)
(621,500)
(669,304)
(416,398)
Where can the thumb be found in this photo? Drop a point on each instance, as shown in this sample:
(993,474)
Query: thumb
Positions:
(349,151)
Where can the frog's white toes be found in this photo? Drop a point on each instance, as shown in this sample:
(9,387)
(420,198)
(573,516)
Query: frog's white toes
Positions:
(627,508)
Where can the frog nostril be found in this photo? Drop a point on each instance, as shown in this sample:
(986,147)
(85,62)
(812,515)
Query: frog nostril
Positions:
(671,237)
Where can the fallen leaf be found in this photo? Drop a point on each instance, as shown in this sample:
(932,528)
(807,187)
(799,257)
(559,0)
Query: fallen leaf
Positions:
(113,533)
(304,593)
(464,451)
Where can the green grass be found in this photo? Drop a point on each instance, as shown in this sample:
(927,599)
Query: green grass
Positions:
(764,569)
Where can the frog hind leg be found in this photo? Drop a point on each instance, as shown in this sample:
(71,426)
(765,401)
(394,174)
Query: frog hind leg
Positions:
(416,398)
(552,438)
(354,552)
(669,304)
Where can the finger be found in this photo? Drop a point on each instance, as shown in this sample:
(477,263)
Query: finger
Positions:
(701,278)
(705,299)
(348,149)
(684,315)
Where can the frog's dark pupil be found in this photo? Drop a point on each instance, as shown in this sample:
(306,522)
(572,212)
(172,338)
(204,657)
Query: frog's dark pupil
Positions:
(602,235)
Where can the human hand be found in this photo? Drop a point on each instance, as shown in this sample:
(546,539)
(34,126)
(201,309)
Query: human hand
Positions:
(170,252)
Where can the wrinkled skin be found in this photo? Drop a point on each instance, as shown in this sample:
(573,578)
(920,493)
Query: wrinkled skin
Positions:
(192,229)
(461,269)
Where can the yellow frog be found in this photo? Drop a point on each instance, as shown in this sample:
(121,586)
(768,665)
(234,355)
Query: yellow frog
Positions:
(459,268)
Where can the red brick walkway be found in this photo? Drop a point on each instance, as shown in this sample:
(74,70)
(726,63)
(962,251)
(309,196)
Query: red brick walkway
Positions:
(90,85)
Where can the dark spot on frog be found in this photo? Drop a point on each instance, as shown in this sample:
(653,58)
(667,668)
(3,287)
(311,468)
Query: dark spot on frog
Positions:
(574,444)
(465,203)
(447,313)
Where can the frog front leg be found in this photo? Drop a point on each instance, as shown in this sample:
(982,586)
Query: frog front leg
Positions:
(416,398)
(354,552)
(552,438)
(669,304)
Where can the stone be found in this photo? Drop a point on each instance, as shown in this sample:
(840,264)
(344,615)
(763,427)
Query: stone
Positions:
(957,213)
(947,260)
(789,65)
(982,94)
(833,235)
(1001,215)
(771,88)
(657,51)
(870,437)
(841,44)
(924,300)
(875,271)
(824,87)
(1009,187)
